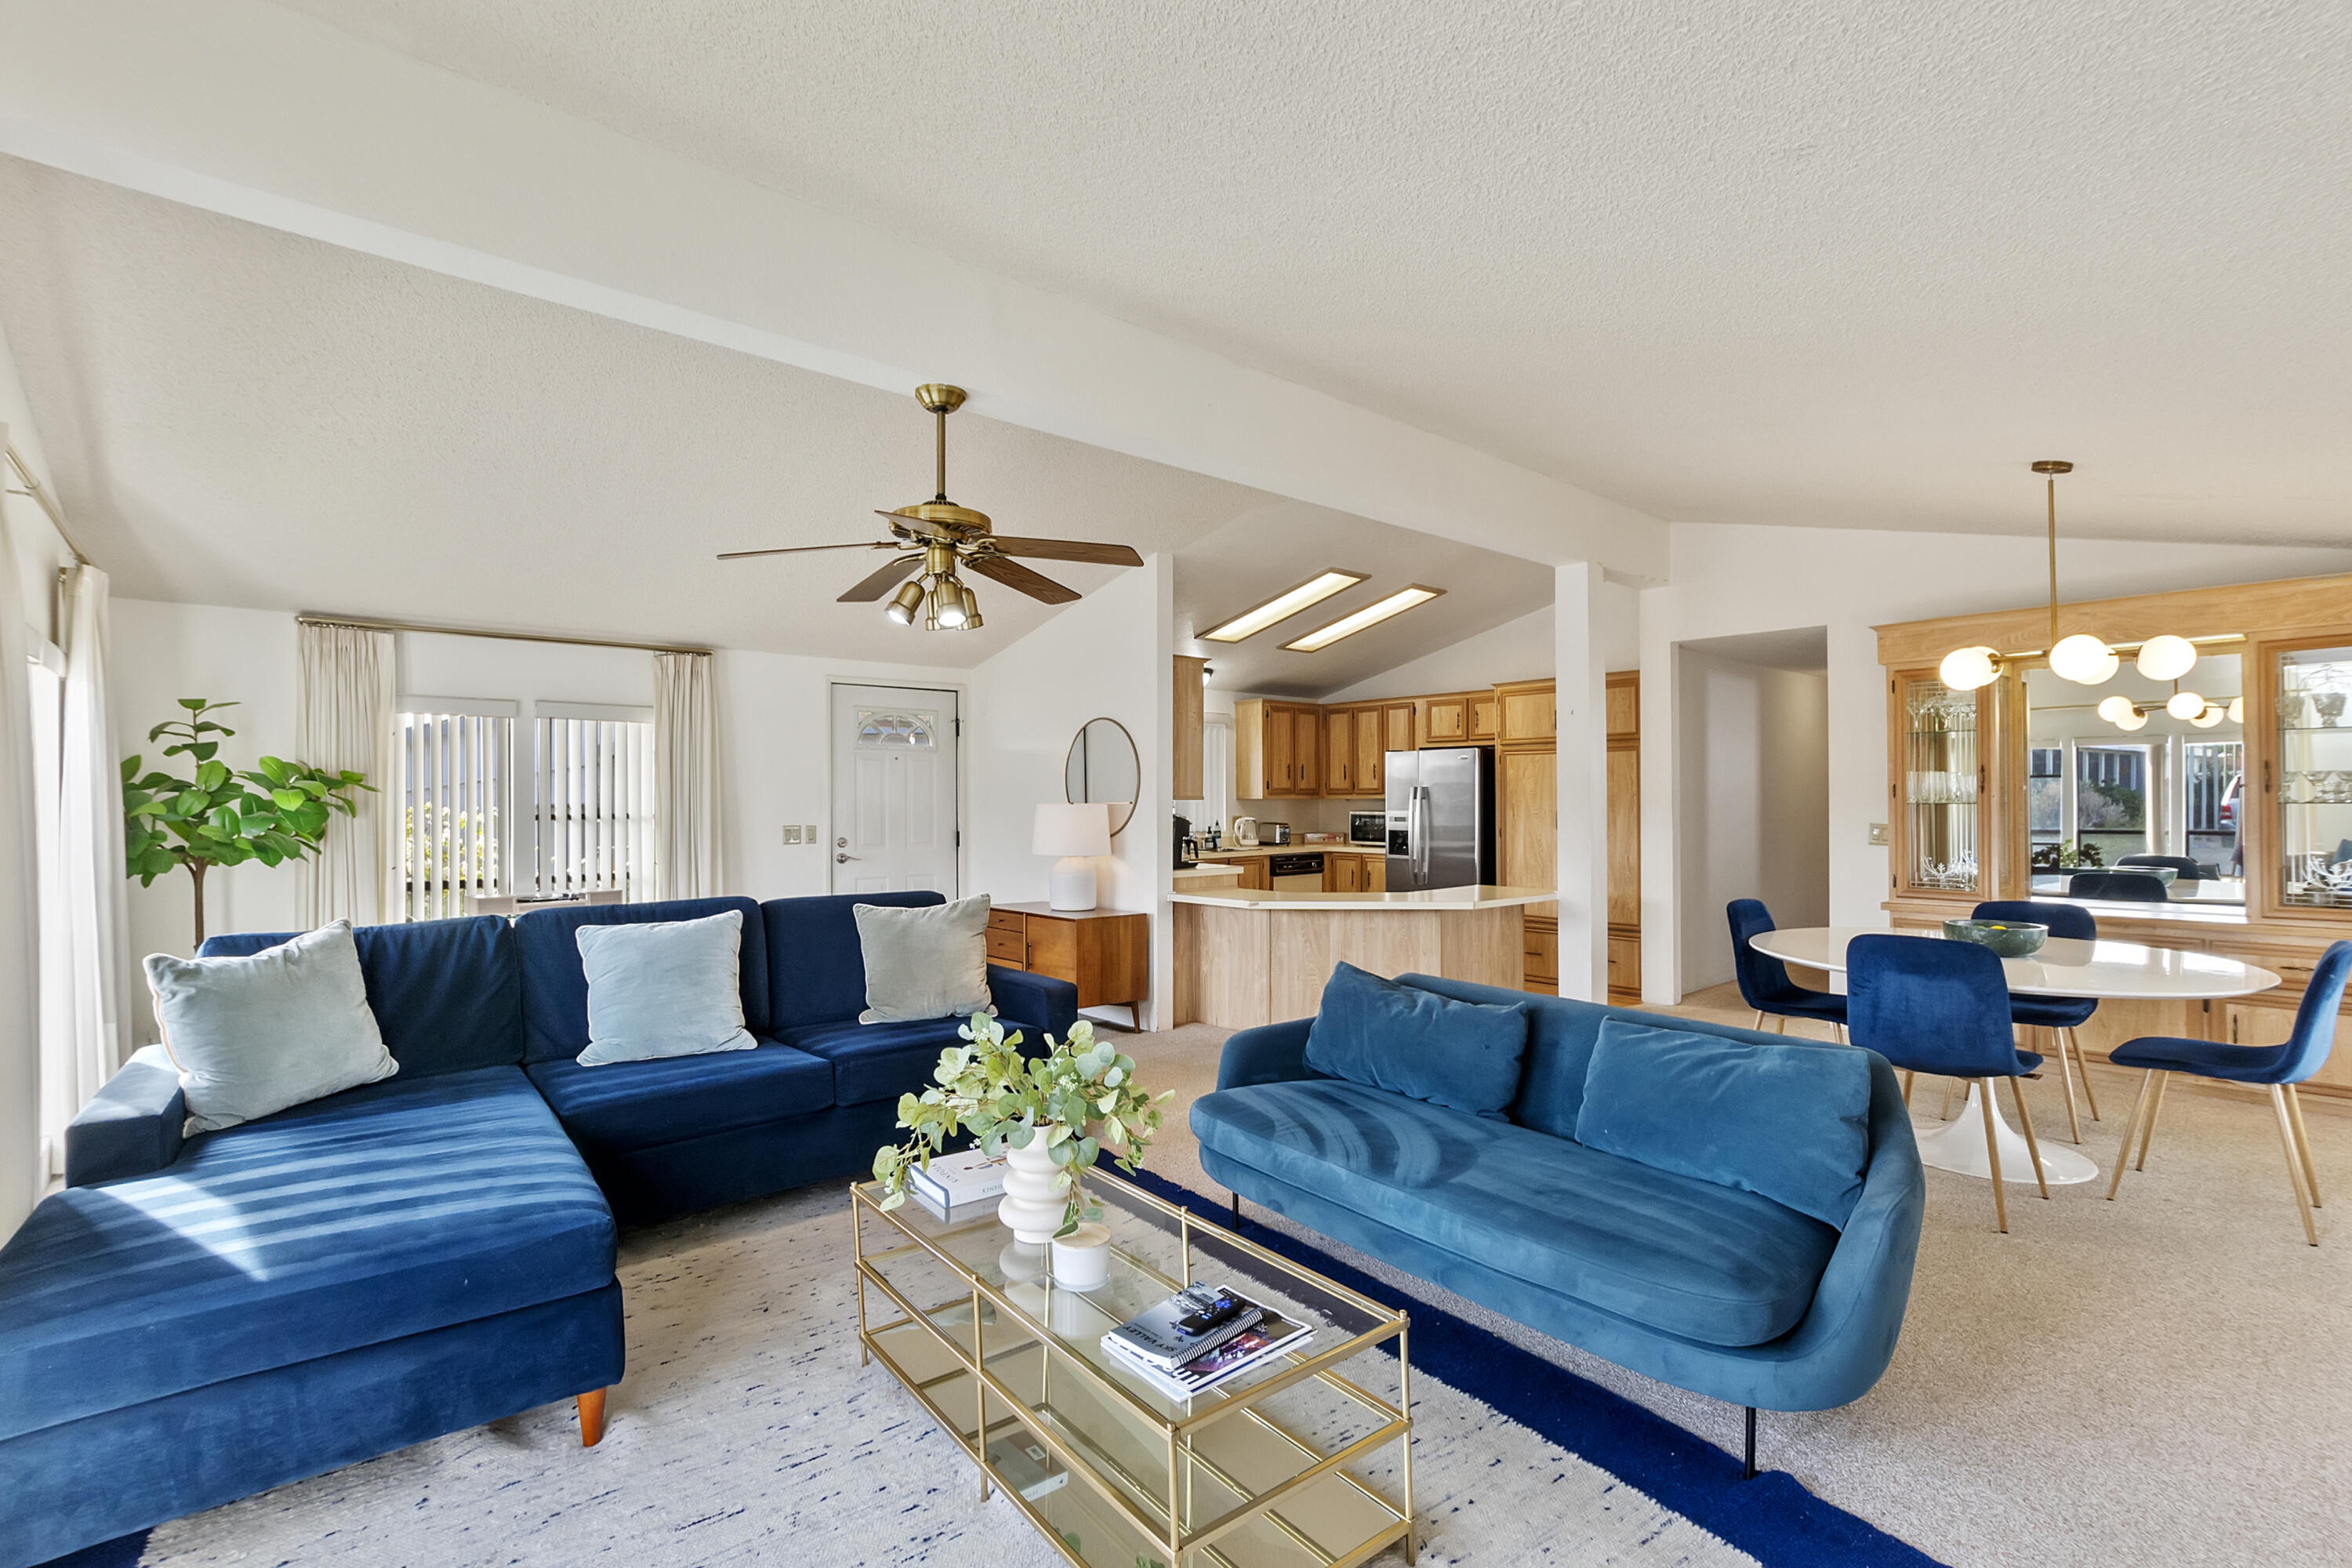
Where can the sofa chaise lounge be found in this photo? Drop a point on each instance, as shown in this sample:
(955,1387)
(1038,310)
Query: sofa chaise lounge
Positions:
(199,1318)
(1704,1286)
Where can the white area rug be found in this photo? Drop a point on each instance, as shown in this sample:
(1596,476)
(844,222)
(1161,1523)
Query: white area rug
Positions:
(746,1432)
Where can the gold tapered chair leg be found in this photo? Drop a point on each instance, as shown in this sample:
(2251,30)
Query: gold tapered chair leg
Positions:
(2294,1162)
(2131,1125)
(2058,1049)
(2082,1066)
(590,1405)
(2303,1143)
(1758,1025)
(2032,1144)
(1906,1089)
(1993,1154)
(2155,1110)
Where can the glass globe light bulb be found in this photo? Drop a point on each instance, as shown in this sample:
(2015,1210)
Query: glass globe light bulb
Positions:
(1966,669)
(2206,720)
(2083,659)
(2113,709)
(2167,657)
(2135,720)
(2184,705)
(2237,709)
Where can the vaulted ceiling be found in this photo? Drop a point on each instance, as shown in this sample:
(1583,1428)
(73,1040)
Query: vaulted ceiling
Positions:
(1802,263)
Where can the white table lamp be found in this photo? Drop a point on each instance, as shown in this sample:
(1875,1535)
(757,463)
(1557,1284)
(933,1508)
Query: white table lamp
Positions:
(1073,833)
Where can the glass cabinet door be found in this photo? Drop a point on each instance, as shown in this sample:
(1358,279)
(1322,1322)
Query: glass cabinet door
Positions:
(2314,820)
(1940,787)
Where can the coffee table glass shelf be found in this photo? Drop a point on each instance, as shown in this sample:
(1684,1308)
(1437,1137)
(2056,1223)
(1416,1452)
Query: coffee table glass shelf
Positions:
(1295,1462)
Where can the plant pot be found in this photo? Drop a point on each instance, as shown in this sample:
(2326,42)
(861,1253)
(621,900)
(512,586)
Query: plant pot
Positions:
(1081,1258)
(1036,1192)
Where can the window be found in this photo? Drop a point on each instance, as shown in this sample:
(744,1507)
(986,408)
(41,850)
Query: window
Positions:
(494,804)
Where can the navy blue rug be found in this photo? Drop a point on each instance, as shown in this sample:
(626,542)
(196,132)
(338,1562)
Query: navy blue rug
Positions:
(1772,1517)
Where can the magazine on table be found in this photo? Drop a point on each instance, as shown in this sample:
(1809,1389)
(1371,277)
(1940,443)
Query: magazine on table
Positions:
(1194,1319)
(1273,1334)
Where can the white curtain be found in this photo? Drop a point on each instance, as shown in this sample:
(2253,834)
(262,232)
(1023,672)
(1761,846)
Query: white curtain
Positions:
(22,1169)
(346,689)
(95,924)
(686,777)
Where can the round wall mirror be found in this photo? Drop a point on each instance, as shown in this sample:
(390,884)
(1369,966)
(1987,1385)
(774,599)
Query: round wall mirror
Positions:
(1103,770)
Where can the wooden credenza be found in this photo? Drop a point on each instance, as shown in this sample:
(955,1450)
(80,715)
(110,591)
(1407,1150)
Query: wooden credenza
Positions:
(1106,954)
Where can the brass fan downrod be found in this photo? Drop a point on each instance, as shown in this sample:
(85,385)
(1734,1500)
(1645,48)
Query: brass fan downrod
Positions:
(941,400)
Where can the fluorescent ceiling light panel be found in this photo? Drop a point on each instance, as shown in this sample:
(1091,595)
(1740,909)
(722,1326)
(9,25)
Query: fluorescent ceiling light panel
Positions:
(1312,591)
(1371,615)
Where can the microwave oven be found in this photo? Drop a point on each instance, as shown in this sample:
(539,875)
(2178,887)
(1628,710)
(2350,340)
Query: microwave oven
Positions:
(1368,828)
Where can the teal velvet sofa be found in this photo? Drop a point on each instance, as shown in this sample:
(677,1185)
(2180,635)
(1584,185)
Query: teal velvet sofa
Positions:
(195,1320)
(1707,1287)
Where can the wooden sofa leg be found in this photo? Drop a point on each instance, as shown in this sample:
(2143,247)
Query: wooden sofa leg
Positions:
(1747,1471)
(592,1416)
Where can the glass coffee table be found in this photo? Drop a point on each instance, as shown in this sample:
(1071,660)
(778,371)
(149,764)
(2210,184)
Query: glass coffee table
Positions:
(1287,1463)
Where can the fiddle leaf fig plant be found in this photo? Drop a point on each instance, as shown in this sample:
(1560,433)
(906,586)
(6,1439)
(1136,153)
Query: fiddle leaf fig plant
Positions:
(1081,1097)
(274,812)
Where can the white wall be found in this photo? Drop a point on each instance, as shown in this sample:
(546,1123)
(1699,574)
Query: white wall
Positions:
(1730,580)
(1754,801)
(1106,657)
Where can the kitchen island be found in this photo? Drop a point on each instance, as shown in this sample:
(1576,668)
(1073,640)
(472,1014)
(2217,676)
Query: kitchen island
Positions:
(1245,957)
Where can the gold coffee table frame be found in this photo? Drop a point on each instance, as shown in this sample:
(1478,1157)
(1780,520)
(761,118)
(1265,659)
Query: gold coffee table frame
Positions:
(922,1333)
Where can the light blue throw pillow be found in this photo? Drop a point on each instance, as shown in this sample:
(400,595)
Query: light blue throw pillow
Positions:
(1787,1121)
(666,988)
(254,1036)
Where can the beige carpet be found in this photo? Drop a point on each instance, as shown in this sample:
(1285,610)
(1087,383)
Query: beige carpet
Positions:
(2164,1379)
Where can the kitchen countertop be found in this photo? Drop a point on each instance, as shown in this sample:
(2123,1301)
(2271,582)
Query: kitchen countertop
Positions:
(1296,847)
(1194,873)
(1485,896)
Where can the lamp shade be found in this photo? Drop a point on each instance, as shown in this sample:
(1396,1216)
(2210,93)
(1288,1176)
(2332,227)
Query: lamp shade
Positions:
(1083,830)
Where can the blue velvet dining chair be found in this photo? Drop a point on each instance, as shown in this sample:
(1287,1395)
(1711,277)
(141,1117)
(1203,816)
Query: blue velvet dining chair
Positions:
(2277,1067)
(2127,886)
(1764,983)
(2061,1016)
(1935,1006)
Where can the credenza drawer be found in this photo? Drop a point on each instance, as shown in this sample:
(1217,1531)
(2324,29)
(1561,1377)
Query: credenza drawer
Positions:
(1007,947)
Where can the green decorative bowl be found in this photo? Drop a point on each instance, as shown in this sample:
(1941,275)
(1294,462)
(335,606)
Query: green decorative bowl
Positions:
(2010,939)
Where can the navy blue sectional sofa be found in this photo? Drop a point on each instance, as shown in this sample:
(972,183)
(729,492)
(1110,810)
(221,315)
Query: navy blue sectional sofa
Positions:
(195,1321)
(1694,1282)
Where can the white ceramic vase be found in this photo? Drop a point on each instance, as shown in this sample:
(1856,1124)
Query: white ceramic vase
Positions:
(1036,1192)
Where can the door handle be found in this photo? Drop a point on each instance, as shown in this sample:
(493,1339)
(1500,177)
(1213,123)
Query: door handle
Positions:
(837,859)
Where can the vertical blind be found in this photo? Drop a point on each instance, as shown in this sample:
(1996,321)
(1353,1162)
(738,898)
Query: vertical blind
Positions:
(571,812)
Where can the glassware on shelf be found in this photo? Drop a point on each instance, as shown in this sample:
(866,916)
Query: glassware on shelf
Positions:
(2313,823)
(1940,787)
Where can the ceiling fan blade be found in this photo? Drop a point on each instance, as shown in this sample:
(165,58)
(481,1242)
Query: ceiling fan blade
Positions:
(923,526)
(1068,549)
(1013,575)
(874,586)
(799,548)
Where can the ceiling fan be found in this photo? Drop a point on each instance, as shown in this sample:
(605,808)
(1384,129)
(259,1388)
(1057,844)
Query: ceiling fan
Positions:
(934,538)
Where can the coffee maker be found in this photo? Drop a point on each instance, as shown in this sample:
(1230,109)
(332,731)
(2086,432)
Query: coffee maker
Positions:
(1188,850)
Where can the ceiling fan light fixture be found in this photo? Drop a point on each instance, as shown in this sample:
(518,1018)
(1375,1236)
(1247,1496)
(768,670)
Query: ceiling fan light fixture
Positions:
(1371,615)
(904,603)
(1283,606)
(948,604)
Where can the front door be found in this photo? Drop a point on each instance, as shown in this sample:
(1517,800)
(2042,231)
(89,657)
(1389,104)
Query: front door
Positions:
(894,789)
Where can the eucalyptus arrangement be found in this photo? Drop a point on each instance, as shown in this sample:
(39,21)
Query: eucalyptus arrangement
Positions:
(274,812)
(1081,1098)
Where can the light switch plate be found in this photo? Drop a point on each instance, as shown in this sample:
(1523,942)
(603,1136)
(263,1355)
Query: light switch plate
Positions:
(792,832)
(1878,833)
(811,831)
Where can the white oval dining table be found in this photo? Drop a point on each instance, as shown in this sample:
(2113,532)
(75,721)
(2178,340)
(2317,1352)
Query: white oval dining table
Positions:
(2066,966)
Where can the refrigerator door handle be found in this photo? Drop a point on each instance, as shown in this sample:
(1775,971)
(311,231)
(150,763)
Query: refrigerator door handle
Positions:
(1420,830)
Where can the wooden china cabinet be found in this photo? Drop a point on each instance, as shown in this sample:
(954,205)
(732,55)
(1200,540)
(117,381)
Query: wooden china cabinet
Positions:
(1957,782)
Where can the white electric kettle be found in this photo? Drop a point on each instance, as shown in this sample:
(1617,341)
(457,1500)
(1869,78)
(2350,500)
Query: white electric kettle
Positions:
(1245,831)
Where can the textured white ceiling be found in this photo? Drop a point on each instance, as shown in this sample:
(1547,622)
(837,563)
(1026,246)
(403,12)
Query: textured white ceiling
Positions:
(235,415)
(1807,262)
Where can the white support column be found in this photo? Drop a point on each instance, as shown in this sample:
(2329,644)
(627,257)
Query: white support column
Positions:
(1660,889)
(1582,740)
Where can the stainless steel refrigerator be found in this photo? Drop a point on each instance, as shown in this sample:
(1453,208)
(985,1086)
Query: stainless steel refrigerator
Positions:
(1441,809)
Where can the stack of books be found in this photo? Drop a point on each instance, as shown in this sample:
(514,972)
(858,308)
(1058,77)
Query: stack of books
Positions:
(957,1187)
(1200,1337)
